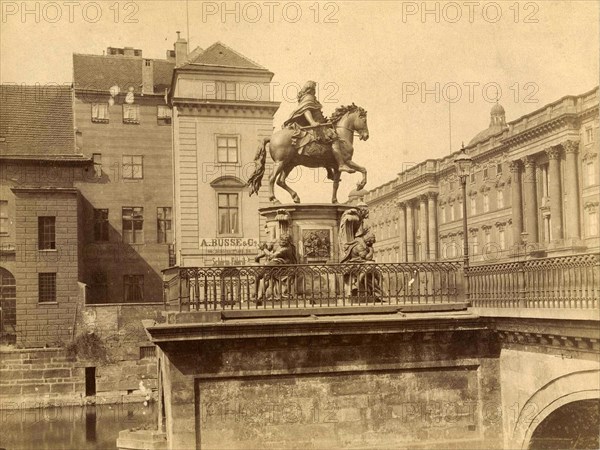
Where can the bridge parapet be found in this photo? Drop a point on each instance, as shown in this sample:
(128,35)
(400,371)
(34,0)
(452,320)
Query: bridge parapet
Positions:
(564,288)
(312,285)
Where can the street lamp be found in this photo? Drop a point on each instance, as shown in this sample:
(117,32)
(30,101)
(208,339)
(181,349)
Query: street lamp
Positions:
(463,164)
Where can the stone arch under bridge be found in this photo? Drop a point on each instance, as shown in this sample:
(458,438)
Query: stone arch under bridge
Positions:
(561,391)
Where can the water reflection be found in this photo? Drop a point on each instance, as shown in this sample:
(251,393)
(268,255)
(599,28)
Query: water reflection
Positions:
(72,427)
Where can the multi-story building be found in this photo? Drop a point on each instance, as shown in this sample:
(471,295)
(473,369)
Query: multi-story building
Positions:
(221,112)
(122,116)
(533,190)
(40,226)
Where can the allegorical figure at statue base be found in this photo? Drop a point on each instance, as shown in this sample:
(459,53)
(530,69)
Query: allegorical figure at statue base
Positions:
(356,247)
(273,284)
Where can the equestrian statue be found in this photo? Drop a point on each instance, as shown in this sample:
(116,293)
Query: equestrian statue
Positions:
(308,139)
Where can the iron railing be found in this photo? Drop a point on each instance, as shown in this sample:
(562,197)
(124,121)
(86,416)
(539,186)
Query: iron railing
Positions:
(564,282)
(312,285)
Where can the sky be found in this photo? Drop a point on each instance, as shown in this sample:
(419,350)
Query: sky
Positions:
(424,71)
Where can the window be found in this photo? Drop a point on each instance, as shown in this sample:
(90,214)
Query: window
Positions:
(133,225)
(131,114)
(451,207)
(226,90)
(163,226)
(460,209)
(46,233)
(502,239)
(227,149)
(100,112)
(133,167)
(99,288)
(486,202)
(500,199)
(228,213)
(4,221)
(593,223)
(472,177)
(488,239)
(452,185)
(46,287)
(485,173)
(163,115)
(97,160)
(442,214)
(475,240)
(498,169)
(101,225)
(590,173)
(589,135)
(473,206)
(133,288)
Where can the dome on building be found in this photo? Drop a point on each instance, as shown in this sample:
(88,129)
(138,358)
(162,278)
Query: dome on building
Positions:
(497,109)
(497,124)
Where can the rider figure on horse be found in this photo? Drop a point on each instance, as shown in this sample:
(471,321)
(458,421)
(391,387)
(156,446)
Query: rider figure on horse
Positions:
(309,123)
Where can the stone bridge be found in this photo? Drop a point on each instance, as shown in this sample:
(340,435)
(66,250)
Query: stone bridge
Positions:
(499,363)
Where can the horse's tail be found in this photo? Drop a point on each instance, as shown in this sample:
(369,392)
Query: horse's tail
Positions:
(255,180)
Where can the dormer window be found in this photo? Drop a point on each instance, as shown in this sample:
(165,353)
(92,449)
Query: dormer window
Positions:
(131,114)
(163,115)
(100,112)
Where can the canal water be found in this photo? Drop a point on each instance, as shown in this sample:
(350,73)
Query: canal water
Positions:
(72,427)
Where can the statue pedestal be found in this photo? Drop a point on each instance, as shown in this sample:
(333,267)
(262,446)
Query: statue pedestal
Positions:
(314,228)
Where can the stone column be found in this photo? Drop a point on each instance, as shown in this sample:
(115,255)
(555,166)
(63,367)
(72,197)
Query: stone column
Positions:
(402,230)
(433,229)
(423,228)
(531,208)
(517,201)
(571,184)
(555,188)
(410,233)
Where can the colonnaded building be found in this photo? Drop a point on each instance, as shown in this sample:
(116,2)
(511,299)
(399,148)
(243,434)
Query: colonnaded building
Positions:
(533,191)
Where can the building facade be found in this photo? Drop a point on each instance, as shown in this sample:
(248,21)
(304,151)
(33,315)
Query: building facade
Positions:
(122,117)
(40,235)
(221,112)
(533,191)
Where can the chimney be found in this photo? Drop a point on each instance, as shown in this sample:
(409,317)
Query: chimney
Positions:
(148,76)
(181,50)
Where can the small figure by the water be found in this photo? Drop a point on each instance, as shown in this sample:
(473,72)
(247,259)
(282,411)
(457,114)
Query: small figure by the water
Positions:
(308,139)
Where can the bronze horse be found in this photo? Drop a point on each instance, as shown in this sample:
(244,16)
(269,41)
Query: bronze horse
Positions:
(346,120)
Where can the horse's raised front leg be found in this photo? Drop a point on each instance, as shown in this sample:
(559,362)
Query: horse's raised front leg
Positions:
(274,176)
(362,183)
(336,184)
(281,182)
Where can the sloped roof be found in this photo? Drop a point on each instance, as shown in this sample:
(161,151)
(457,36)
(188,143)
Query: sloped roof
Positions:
(219,54)
(100,72)
(36,120)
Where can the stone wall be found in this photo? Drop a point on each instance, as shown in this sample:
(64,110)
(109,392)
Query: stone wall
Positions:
(124,361)
(334,391)
(41,324)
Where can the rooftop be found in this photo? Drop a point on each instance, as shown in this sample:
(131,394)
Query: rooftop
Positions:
(36,120)
(101,72)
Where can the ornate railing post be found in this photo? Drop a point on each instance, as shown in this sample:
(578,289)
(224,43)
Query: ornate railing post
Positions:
(522,285)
